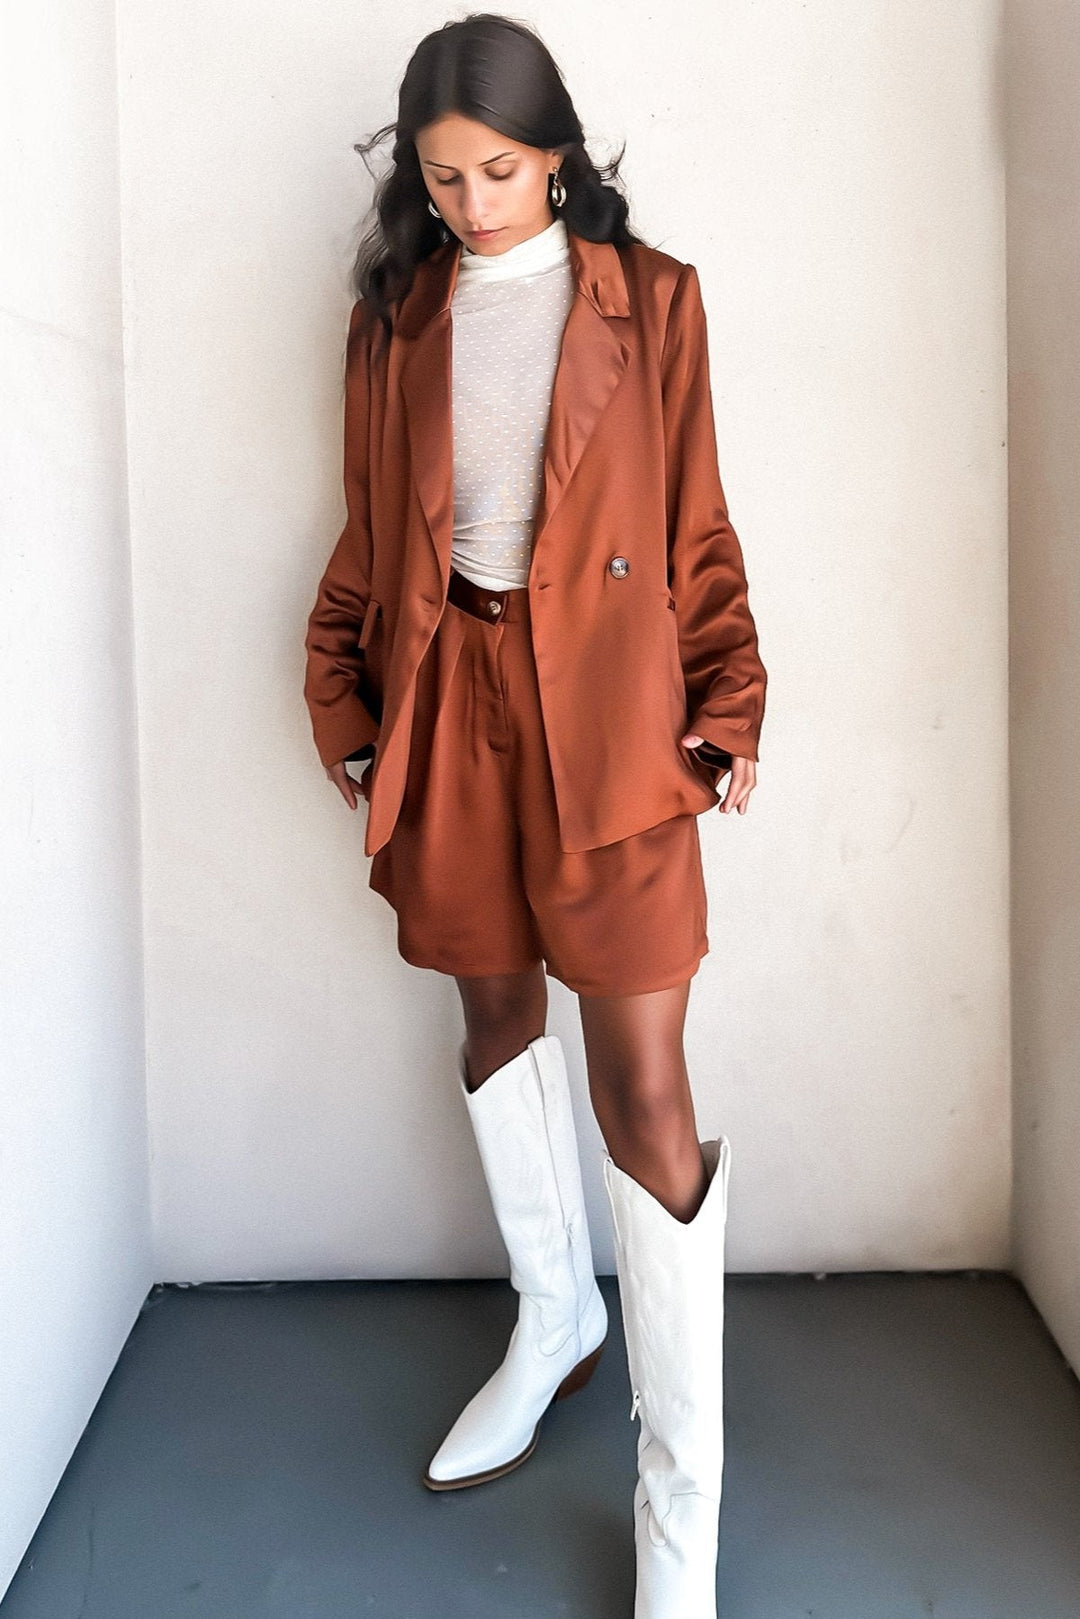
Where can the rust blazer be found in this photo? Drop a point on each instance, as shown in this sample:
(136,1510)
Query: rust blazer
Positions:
(628,660)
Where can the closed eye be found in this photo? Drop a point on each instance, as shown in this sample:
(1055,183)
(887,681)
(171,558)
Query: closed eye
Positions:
(509,176)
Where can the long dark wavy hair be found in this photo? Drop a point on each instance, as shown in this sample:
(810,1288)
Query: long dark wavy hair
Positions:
(498,71)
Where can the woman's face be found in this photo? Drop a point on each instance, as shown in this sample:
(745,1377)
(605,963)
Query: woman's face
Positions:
(481,181)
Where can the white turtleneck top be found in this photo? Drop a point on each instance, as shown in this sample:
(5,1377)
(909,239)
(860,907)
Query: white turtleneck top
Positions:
(508,311)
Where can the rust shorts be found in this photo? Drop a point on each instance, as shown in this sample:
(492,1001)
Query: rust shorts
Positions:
(474,867)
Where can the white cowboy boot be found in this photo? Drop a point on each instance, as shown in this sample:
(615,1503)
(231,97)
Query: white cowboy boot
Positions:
(524,1127)
(671,1288)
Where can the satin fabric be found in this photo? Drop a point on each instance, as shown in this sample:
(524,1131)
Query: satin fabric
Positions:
(641,624)
(474,867)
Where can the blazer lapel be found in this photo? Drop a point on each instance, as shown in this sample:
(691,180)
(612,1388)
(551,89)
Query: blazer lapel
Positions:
(592,359)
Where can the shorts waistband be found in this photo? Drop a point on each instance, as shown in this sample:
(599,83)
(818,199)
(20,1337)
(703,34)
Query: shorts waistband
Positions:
(493,606)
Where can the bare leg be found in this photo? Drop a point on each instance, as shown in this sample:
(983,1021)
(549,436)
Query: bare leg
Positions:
(503,1013)
(640,1093)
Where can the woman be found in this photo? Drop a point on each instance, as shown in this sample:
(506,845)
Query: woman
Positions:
(534,626)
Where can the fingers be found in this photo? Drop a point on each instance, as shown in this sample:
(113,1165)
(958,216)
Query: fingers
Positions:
(741,784)
(741,780)
(344,783)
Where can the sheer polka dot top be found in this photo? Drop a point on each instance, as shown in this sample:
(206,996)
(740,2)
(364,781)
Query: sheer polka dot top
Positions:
(507,316)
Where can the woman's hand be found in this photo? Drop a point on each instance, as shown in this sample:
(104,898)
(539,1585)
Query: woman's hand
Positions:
(347,784)
(743,778)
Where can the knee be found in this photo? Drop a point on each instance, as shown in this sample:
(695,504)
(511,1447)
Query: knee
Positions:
(504,1004)
(642,1106)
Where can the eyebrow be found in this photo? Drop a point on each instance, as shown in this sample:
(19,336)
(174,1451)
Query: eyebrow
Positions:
(495,159)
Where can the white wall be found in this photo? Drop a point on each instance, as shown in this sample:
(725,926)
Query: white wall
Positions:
(1044,478)
(835,172)
(75,1262)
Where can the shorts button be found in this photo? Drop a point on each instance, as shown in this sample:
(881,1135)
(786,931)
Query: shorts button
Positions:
(494,607)
(619,566)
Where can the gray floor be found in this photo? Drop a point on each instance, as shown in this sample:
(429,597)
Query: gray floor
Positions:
(897,1447)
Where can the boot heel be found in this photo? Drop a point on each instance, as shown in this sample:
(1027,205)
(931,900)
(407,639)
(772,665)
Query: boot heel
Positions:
(579,1375)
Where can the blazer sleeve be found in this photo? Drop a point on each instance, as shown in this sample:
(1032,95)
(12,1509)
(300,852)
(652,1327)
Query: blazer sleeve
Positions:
(342,725)
(718,647)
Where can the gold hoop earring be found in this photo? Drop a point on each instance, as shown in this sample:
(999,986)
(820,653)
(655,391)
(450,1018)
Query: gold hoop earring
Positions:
(558,190)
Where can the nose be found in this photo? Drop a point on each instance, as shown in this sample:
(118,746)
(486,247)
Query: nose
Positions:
(472,207)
